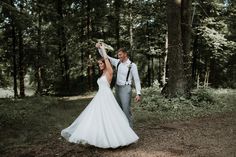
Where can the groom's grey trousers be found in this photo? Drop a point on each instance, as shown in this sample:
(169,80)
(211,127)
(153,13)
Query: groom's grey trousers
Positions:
(123,96)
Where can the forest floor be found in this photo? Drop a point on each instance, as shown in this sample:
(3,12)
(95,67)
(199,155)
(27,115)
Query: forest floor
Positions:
(207,136)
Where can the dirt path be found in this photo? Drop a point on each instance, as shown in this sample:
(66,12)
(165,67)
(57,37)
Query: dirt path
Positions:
(212,136)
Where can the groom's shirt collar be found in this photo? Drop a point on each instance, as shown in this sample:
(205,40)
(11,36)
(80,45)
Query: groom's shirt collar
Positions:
(126,62)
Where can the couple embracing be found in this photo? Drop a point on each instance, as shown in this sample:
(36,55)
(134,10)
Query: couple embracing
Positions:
(106,122)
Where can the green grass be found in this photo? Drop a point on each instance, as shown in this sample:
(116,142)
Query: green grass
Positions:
(35,119)
(24,121)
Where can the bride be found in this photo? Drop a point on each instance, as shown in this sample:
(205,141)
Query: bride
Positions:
(102,123)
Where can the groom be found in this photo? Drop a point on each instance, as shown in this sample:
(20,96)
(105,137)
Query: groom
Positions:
(126,71)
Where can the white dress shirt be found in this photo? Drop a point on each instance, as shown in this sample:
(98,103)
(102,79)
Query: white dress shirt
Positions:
(123,71)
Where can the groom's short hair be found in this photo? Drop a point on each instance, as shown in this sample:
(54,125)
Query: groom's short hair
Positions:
(123,50)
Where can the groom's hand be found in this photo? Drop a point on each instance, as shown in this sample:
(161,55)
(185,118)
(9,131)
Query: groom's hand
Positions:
(138,98)
(98,45)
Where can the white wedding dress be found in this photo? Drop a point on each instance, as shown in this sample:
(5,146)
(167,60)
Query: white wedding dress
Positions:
(102,123)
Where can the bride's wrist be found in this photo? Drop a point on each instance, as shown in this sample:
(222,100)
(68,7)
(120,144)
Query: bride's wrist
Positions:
(105,56)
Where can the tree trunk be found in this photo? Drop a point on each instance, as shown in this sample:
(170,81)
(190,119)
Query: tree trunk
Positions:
(165,61)
(62,46)
(186,29)
(89,65)
(176,83)
(82,32)
(149,70)
(82,60)
(88,19)
(14,54)
(206,77)
(67,68)
(90,73)
(21,62)
(152,70)
(14,60)
(195,56)
(59,33)
(117,4)
(198,79)
(39,55)
(131,40)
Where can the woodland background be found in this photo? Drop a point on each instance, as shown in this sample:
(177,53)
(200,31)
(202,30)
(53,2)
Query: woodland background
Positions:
(185,53)
(51,43)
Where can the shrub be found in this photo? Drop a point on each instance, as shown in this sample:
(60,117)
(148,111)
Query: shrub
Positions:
(202,96)
(202,102)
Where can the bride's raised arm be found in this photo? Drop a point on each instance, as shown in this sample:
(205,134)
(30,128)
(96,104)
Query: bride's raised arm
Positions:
(113,61)
(102,50)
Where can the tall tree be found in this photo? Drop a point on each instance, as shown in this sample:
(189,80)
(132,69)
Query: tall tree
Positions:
(163,77)
(64,60)
(131,33)
(176,82)
(38,70)
(117,5)
(21,57)
(14,53)
(186,29)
